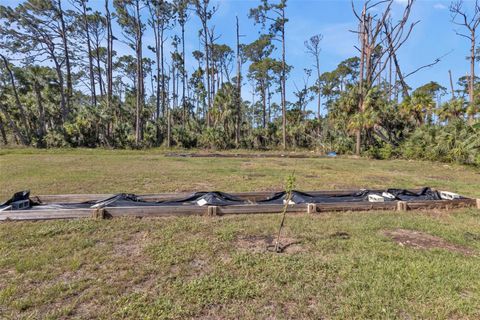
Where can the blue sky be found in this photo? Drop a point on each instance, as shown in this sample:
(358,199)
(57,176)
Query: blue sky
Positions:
(433,37)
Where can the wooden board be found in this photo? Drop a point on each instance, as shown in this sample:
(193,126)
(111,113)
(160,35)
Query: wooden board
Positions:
(441,204)
(19,215)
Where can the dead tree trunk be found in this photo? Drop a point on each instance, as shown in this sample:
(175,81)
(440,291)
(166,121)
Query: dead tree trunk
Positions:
(283,81)
(140,87)
(109,68)
(460,18)
(67,53)
(451,84)
(362,35)
(184,74)
(374,47)
(239,89)
(89,54)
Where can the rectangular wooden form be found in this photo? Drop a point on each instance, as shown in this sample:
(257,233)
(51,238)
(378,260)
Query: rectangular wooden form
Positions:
(186,210)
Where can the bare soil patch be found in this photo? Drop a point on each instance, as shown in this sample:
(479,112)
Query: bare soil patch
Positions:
(132,247)
(340,235)
(260,244)
(422,240)
(245,155)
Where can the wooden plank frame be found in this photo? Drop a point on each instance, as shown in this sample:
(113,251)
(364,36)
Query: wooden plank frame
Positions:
(186,210)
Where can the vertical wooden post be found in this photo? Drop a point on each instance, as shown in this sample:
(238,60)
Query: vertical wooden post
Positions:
(402,206)
(212,211)
(311,208)
(98,213)
(478,203)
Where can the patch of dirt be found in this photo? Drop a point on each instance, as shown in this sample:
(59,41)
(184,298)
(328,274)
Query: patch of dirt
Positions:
(472,236)
(132,247)
(244,155)
(422,240)
(340,235)
(261,244)
(192,269)
(253,176)
(437,213)
(199,267)
(248,164)
(202,186)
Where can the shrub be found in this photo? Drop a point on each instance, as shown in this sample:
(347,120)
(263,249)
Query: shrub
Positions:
(184,138)
(456,142)
(214,138)
(54,139)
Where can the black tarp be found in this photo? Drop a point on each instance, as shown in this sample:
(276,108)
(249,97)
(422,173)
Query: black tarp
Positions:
(406,195)
(217,198)
(214,198)
(299,197)
(130,200)
(18,196)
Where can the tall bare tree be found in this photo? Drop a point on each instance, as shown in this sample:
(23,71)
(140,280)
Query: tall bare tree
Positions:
(378,37)
(64,36)
(204,13)
(238,96)
(461,18)
(160,20)
(313,48)
(86,31)
(128,13)
(181,7)
(109,66)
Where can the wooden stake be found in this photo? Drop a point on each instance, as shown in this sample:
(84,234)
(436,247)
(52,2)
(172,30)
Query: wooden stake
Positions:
(402,206)
(478,203)
(311,208)
(212,211)
(98,213)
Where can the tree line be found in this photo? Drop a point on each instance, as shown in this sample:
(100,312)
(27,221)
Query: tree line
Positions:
(64,83)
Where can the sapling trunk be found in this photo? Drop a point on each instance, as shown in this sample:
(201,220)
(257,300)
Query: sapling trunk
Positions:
(290,183)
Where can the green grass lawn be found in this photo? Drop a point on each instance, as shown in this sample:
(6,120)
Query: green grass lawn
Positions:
(105,171)
(199,267)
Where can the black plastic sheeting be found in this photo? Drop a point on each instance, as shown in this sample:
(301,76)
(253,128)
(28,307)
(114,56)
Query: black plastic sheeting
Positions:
(216,198)
(424,194)
(362,195)
(299,197)
(18,196)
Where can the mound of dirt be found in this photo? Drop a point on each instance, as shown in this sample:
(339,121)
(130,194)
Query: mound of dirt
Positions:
(422,240)
(340,235)
(259,244)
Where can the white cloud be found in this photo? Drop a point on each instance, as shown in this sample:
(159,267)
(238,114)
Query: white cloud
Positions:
(439,6)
